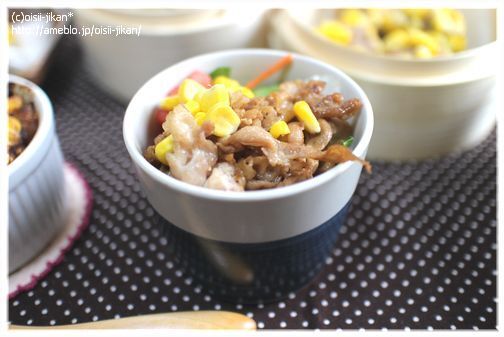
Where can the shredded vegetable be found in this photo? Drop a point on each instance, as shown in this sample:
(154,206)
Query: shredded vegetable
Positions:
(279,65)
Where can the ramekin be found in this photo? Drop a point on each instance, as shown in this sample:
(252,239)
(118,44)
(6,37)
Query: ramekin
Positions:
(122,63)
(37,200)
(255,238)
(423,108)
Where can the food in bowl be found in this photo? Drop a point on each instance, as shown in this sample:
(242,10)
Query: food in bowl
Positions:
(409,33)
(219,134)
(23,120)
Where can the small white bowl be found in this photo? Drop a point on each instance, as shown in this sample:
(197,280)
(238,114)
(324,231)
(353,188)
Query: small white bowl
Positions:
(37,200)
(123,63)
(251,216)
(423,108)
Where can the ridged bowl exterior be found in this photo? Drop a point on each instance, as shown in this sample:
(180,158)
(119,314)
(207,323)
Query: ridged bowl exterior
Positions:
(37,200)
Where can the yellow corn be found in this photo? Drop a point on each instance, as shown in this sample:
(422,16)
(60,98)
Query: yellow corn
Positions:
(224,119)
(15,103)
(247,92)
(200,117)
(14,130)
(448,21)
(397,40)
(376,16)
(192,106)
(457,42)
(354,17)
(278,129)
(442,41)
(188,89)
(393,19)
(336,32)
(423,52)
(419,37)
(229,83)
(11,37)
(305,114)
(216,94)
(169,102)
(233,86)
(416,22)
(162,148)
(407,31)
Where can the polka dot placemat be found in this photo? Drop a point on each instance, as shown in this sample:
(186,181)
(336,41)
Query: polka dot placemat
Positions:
(418,250)
(80,204)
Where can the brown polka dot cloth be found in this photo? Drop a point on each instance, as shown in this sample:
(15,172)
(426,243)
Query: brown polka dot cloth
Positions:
(417,251)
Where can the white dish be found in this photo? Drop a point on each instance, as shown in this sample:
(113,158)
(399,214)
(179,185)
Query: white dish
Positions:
(37,201)
(252,216)
(123,63)
(424,108)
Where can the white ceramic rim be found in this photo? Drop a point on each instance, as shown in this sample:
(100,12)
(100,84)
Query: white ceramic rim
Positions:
(438,59)
(220,20)
(268,194)
(45,114)
(401,81)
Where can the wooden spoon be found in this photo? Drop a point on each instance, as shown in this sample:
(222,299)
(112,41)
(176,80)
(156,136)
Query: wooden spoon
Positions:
(175,320)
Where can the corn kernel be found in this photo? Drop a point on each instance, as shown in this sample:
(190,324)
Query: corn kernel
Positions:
(162,148)
(423,52)
(416,22)
(216,94)
(247,92)
(169,102)
(442,41)
(15,103)
(397,40)
(11,36)
(393,19)
(305,114)
(224,119)
(278,129)
(14,130)
(457,42)
(448,21)
(376,16)
(354,17)
(336,32)
(229,83)
(198,96)
(419,37)
(188,89)
(192,106)
(200,117)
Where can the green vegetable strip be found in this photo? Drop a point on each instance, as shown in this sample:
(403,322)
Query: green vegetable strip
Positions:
(265,90)
(221,71)
(348,141)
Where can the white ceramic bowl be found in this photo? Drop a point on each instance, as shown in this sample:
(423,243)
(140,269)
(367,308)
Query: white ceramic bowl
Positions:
(423,108)
(251,216)
(37,200)
(123,63)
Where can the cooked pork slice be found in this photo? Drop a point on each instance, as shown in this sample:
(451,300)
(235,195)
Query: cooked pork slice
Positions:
(329,107)
(339,154)
(296,135)
(321,140)
(254,136)
(194,156)
(224,177)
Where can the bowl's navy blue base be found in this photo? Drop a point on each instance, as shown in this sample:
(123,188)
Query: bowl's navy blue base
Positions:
(258,272)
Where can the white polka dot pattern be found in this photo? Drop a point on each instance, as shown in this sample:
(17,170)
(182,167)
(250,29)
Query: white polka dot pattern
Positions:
(418,250)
